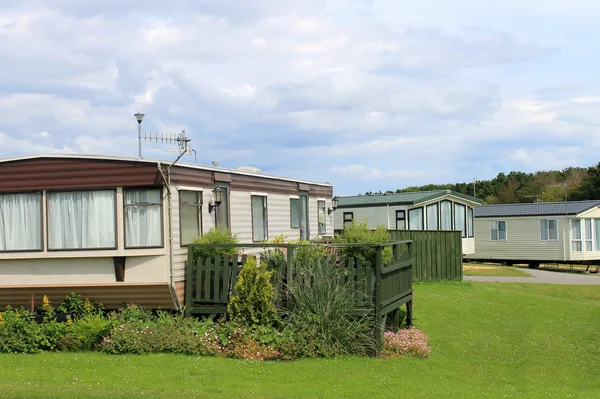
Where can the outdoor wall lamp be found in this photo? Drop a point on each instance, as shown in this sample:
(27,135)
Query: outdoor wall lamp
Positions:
(218,193)
(334,205)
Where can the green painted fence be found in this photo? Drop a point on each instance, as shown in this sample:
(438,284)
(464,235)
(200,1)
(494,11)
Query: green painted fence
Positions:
(437,254)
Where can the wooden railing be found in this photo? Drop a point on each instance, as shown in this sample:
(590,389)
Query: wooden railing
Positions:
(379,288)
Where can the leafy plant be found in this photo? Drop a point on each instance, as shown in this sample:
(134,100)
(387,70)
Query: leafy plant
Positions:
(252,303)
(321,307)
(359,233)
(78,307)
(274,258)
(215,236)
(20,333)
(89,331)
(304,253)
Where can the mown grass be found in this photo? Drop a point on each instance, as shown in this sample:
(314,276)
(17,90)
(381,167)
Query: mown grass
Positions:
(488,340)
(488,270)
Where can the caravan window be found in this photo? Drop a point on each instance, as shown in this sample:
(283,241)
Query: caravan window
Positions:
(81,220)
(322,217)
(21,222)
(576,245)
(190,216)
(446,215)
(432,217)
(460,218)
(498,230)
(549,229)
(415,219)
(143,218)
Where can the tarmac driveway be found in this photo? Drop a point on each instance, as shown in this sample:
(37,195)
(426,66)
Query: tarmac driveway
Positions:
(541,277)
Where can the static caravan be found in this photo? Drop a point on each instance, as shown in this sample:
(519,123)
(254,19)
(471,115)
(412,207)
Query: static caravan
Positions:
(534,233)
(116,229)
(419,210)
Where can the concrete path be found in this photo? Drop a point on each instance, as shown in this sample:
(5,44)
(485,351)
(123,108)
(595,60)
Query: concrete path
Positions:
(541,277)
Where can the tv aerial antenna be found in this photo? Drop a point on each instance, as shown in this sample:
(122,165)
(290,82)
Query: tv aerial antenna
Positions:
(180,139)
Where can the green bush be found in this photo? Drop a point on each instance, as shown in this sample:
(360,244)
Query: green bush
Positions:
(78,307)
(320,309)
(252,303)
(215,236)
(304,253)
(274,258)
(359,233)
(20,333)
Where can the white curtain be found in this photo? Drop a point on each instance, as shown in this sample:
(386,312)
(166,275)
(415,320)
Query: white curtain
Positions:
(143,218)
(470,226)
(432,217)
(544,229)
(415,219)
(259,218)
(576,235)
(81,219)
(459,218)
(597,233)
(20,222)
(445,215)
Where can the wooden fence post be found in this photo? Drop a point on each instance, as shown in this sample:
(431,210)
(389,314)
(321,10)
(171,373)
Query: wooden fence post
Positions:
(189,279)
(379,318)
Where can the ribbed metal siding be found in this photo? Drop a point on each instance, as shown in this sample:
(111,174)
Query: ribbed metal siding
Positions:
(52,174)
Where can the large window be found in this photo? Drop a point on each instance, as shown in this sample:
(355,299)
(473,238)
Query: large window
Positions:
(597,234)
(294,213)
(259,218)
(21,222)
(576,244)
(81,219)
(348,218)
(432,217)
(549,229)
(400,220)
(322,217)
(470,224)
(415,219)
(498,230)
(460,218)
(190,215)
(589,243)
(446,215)
(143,218)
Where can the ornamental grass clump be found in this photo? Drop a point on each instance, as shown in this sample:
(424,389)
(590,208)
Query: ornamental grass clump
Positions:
(406,342)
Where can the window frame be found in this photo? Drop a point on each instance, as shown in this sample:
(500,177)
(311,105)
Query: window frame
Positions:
(162,217)
(227,200)
(297,214)
(265,218)
(575,240)
(47,226)
(319,232)
(437,210)
(344,221)
(451,215)
(546,227)
(498,230)
(403,219)
(588,240)
(199,206)
(422,217)
(43,244)
(470,222)
(464,226)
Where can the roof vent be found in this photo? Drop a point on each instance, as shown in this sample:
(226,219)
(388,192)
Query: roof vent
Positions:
(215,163)
(249,169)
(448,191)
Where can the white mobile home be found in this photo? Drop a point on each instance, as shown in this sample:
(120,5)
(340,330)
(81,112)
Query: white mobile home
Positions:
(418,210)
(116,229)
(537,233)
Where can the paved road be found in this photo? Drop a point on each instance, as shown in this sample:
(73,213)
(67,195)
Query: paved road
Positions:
(541,277)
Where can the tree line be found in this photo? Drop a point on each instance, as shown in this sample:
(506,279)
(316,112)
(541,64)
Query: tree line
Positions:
(570,184)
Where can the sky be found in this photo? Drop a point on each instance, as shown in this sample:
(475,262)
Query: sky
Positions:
(366,94)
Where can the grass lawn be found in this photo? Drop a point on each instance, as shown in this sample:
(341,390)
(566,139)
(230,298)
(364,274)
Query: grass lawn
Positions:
(489,340)
(476,269)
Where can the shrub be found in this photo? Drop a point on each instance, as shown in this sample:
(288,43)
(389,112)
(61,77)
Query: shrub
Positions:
(215,236)
(274,258)
(252,303)
(131,312)
(20,333)
(180,335)
(357,233)
(78,307)
(305,253)
(320,308)
(406,342)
